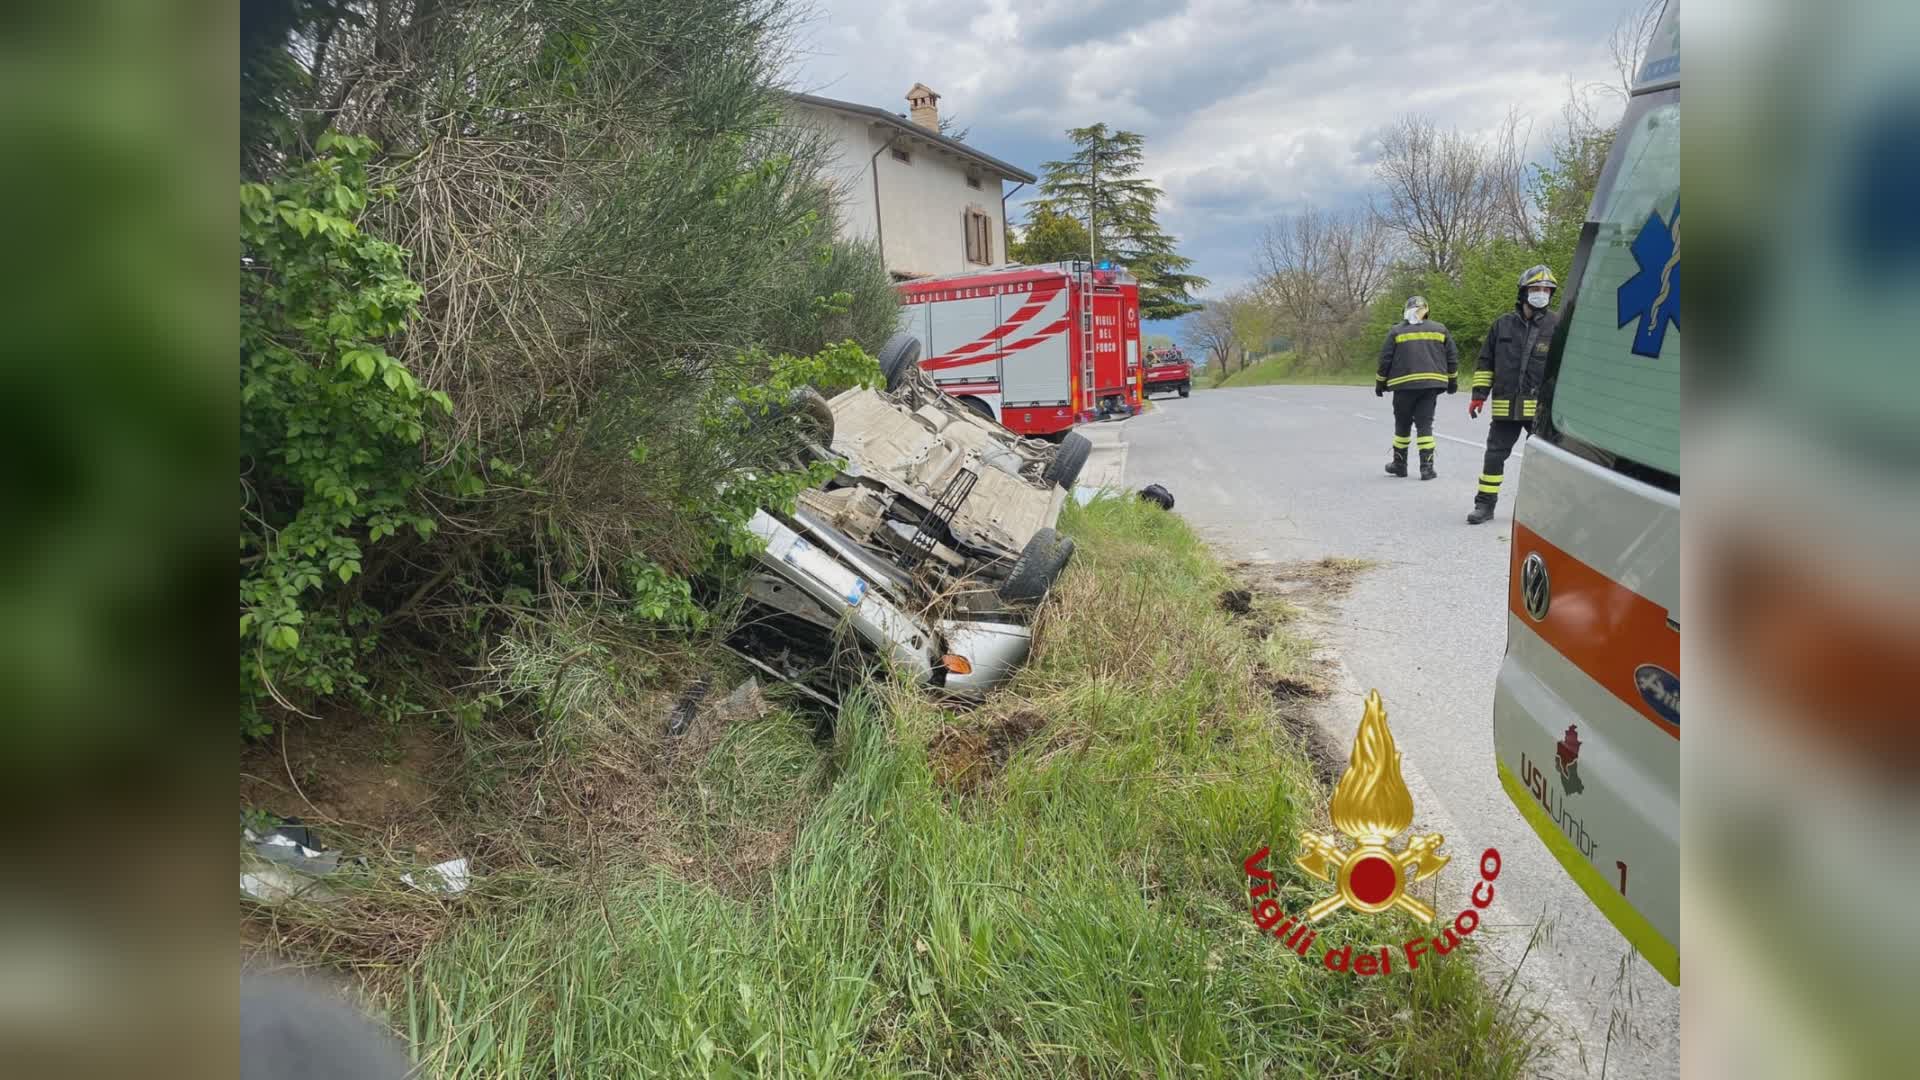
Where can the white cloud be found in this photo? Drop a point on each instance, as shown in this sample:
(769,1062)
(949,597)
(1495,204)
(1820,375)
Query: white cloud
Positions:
(1250,108)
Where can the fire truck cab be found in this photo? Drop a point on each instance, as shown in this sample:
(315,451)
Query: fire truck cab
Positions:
(1036,348)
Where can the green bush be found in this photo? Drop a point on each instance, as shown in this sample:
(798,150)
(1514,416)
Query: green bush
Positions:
(332,427)
(600,250)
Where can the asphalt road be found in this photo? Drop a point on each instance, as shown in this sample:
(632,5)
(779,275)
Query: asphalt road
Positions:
(1284,473)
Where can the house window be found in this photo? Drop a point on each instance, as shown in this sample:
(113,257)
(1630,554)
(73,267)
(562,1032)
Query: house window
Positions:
(979,238)
(973,182)
(903,157)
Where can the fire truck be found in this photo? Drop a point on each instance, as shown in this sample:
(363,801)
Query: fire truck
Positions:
(1036,348)
(1169,370)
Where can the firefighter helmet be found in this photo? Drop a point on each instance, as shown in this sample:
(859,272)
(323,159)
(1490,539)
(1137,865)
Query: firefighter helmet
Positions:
(1417,303)
(1535,276)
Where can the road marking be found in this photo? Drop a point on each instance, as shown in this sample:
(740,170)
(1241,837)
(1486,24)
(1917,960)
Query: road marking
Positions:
(1449,438)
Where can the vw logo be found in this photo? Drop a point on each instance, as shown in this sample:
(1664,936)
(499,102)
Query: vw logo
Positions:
(1535,591)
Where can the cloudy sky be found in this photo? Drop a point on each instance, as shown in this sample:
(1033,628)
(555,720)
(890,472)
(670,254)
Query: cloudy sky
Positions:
(1250,108)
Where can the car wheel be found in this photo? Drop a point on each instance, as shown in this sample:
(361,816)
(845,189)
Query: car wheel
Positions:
(1067,461)
(1185,389)
(1040,562)
(812,412)
(897,357)
(978,406)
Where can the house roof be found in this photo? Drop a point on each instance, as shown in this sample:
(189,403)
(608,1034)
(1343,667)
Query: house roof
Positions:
(906,126)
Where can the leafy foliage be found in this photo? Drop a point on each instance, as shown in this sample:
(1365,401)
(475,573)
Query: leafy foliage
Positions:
(1103,176)
(620,264)
(1050,236)
(331,425)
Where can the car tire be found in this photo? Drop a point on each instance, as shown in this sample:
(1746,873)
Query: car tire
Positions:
(1040,563)
(811,410)
(897,358)
(1067,461)
(1185,389)
(981,408)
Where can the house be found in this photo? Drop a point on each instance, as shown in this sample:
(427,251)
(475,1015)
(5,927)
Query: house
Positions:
(931,203)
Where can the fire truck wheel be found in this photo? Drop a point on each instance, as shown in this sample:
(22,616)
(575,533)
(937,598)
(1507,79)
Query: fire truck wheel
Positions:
(1040,562)
(897,356)
(978,406)
(1067,461)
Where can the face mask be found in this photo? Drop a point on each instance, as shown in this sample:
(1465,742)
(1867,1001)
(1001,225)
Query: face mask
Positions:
(1538,298)
(1412,314)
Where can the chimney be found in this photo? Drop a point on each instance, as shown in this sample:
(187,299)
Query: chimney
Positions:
(926,106)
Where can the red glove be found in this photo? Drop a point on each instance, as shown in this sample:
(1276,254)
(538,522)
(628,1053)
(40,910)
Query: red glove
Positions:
(1474,407)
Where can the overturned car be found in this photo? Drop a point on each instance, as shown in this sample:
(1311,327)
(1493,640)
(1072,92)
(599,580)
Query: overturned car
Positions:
(927,551)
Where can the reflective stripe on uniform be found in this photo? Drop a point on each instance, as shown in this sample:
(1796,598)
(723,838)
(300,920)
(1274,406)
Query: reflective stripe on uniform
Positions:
(1417,376)
(1490,483)
(1420,335)
(1400,442)
(1426,442)
(1483,378)
(1529,407)
(1499,408)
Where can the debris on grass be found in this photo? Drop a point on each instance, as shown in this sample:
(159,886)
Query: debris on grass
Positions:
(449,878)
(1157,495)
(963,759)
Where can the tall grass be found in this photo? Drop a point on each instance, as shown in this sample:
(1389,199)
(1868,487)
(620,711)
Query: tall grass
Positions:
(1082,912)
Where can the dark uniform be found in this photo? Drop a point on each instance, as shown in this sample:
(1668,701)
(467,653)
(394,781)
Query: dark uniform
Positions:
(1417,361)
(1512,365)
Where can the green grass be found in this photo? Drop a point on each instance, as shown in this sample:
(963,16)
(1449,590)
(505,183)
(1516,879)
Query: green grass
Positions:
(1279,368)
(1081,912)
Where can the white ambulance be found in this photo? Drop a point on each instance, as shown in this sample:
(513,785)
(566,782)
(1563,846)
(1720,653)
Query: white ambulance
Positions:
(1586,715)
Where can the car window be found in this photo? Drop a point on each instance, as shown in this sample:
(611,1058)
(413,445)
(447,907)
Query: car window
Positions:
(1618,386)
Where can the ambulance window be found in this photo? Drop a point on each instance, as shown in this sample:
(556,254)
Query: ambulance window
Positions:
(1616,393)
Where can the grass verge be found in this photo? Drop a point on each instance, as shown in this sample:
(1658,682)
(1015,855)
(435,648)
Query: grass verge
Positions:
(1279,368)
(1050,884)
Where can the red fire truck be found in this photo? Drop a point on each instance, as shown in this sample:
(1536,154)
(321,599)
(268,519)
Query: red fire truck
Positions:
(1036,348)
(1169,370)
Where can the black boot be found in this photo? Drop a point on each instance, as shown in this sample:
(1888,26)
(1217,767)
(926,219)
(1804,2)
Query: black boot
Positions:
(1398,466)
(1482,509)
(1426,466)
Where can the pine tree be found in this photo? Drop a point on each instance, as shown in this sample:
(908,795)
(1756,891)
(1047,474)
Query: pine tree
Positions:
(1104,175)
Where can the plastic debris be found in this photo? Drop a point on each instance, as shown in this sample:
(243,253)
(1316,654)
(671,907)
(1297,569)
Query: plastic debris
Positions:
(449,878)
(1158,495)
(282,863)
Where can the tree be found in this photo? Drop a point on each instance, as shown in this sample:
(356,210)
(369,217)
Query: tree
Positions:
(1256,322)
(1241,323)
(1440,190)
(1319,270)
(1049,236)
(1102,179)
(1210,332)
(1629,42)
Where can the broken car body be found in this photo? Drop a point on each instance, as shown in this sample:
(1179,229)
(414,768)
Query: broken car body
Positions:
(928,549)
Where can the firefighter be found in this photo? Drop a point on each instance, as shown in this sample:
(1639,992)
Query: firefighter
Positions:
(1417,360)
(1512,362)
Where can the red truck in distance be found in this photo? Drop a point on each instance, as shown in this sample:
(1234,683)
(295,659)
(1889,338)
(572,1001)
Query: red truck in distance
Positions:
(1169,370)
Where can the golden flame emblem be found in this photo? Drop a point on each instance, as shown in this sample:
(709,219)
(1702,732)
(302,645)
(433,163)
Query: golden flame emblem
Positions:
(1371,804)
